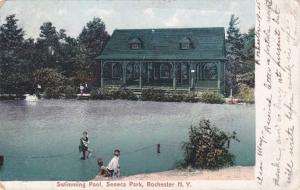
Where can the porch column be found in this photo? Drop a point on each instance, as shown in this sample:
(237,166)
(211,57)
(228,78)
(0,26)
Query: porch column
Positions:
(174,75)
(140,85)
(101,80)
(124,65)
(148,77)
(180,72)
(192,68)
(219,75)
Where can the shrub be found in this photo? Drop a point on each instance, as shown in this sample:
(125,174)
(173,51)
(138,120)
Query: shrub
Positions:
(124,94)
(206,148)
(53,93)
(191,98)
(153,95)
(246,93)
(102,94)
(110,94)
(70,92)
(211,98)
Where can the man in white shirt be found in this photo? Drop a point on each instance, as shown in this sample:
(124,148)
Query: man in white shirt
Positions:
(113,167)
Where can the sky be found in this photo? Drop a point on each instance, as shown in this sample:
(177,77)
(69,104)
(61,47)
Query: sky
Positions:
(125,14)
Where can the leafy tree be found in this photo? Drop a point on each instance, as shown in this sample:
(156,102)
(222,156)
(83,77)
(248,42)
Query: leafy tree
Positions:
(207,147)
(82,70)
(93,38)
(13,79)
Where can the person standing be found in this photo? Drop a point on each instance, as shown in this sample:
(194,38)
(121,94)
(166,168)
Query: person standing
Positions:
(84,143)
(114,167)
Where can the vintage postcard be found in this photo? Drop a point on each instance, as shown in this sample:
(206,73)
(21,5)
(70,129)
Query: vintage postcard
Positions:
(149,94)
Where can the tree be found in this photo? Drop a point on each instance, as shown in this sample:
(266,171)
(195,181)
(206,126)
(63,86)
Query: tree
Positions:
(234,46)
(93,38)
(13,79)
(247,71)
(48,46)
(82,70)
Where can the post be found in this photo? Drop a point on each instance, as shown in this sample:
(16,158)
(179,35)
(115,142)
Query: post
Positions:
(180,73)
(219,76)
(124,65)
(174,75)
(192,71)
(140,85)
(101,67)
(148,78)
(1,160)
(158,148)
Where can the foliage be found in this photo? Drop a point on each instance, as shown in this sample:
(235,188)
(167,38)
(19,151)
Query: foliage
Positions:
(14,76)
(55,92)
(234,46)
(207,147)
(212,98)
(51,81)
(240,49)
(70,92)
(152,95)
(246,93)
(109,94)
(124,94)
(93,38)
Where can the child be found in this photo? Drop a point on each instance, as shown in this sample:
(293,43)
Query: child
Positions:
(102,169)
(84,142)
(113,167)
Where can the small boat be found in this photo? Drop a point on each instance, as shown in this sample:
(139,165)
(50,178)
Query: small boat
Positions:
(31,98)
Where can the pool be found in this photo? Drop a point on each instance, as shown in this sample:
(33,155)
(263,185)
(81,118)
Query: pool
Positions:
(39,140)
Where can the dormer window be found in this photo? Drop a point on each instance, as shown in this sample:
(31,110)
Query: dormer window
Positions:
(135,43)
(185,43)
(135,46)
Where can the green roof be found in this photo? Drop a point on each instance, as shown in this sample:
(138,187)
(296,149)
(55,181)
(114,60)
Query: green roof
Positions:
(159,44)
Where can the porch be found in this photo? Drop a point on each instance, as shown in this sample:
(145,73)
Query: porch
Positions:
(165,75)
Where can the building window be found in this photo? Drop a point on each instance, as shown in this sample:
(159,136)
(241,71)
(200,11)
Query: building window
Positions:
(164,72)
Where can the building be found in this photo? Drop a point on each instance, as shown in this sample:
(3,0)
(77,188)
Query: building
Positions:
(179,59)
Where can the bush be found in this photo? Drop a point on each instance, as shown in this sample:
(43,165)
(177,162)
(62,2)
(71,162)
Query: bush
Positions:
(102,94)
(211,98)
(110,94)
(246,94)
(53,93)
(206,148)
(70,92)
(124,94)
(153,95)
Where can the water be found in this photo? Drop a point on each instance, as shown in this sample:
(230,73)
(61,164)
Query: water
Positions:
(40,139)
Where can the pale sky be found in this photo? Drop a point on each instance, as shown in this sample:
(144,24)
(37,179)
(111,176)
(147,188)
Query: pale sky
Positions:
(123,14)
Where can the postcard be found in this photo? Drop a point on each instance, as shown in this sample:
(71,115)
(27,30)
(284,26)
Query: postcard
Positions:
(149,94)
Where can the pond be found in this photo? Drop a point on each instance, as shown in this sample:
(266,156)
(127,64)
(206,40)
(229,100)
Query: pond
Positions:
(39,140)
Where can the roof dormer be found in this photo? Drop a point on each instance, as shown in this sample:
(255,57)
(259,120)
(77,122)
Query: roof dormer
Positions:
(135,43)
(185,43)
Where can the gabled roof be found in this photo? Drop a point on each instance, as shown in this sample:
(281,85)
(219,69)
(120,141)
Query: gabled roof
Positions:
(207,43)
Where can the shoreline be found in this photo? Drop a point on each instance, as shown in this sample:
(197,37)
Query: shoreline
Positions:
(230,173)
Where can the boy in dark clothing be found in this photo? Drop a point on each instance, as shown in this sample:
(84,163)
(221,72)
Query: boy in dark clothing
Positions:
(84,142)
